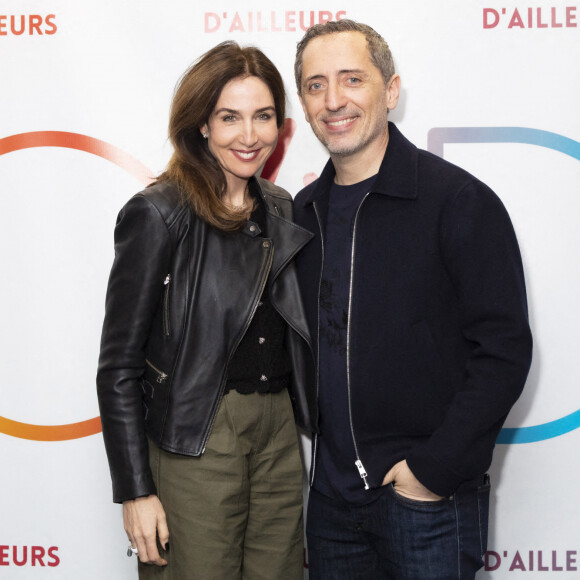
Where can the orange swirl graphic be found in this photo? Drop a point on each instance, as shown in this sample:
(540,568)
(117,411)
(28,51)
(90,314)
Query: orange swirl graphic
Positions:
(50,432)
(81,143)
(129,164)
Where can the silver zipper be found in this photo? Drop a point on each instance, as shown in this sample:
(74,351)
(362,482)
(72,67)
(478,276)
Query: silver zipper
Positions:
(315,446)
(224,378)
(166,305)
(359,464)
(161,376)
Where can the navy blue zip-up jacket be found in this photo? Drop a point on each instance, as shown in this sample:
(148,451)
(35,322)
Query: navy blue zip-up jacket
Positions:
(440,344)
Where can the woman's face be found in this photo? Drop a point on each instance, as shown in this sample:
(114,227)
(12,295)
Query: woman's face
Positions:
(242,130)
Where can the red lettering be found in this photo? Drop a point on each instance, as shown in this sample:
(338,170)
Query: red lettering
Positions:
(4,556)
(260,29)
(516,20)
(517,563)
(340,15)
(290,21)
(3,25)
(51,26)
(237,24)
(492,561)
(303,25)
(37,554)
(324,16)
(530,17)
(52,554)
(34,22)
(540,567)
(273,22)
(209,25)
(571,17)
(490,12)
(24,555)
(22,25)
(571,561)
(540,23)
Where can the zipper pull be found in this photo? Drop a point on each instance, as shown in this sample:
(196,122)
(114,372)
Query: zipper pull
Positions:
(167,279)
(362,472)
(161,378)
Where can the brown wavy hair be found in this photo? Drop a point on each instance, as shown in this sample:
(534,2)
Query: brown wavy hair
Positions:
(192,167)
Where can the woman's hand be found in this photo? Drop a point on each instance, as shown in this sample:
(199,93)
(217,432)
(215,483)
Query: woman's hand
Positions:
(407,485)
(144,521)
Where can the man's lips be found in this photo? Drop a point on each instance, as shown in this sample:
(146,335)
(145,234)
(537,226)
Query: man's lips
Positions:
(339,123)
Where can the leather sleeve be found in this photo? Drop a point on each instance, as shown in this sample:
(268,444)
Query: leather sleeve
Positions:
(142,261)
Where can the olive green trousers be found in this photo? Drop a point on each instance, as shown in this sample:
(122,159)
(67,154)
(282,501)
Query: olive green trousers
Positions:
(235,513)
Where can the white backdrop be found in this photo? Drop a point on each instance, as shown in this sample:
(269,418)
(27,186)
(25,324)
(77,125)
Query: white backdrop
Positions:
(85,90)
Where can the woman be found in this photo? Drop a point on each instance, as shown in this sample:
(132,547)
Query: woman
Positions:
(205,349)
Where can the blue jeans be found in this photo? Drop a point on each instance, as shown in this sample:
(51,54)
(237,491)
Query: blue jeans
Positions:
(397,538)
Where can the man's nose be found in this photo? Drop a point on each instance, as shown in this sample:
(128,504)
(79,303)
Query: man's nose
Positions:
(335,97)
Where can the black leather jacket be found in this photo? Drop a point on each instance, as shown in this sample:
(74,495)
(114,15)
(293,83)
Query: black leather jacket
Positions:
(181,295)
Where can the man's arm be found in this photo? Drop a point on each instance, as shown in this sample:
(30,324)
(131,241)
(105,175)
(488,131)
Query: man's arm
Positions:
(481,254)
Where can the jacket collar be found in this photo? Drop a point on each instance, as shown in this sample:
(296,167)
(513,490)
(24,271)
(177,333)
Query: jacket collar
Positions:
(288,237)
(397,176)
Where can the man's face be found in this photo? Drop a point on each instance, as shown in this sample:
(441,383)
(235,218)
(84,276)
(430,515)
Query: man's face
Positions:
(344,96)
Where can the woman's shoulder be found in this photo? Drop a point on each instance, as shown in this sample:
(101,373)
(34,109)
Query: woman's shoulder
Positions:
(268,188)
(165,197)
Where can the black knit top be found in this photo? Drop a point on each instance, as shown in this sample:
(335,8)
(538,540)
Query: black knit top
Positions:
(261,363)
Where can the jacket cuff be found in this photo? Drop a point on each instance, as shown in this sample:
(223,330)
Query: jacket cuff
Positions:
(433,475)
(139,487)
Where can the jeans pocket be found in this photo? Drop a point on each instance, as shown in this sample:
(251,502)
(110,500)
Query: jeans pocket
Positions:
(427,504)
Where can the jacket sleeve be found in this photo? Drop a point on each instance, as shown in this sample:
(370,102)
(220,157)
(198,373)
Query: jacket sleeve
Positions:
(142,260)
(482,257)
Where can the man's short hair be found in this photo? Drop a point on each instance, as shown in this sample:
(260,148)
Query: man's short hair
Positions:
(379,50)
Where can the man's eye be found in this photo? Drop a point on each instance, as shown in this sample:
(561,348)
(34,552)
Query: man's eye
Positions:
(315,86)
(353,80)
(265,116)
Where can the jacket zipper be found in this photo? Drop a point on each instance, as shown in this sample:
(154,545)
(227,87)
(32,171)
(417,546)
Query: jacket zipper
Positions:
(161,376)
(166,328)
(315,445)
(359,464)
(224,378)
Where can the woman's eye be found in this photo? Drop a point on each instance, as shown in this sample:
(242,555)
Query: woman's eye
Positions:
(228,118)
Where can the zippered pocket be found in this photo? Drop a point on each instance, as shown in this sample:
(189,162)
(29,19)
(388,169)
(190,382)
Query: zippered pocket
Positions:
(166,326)
(160,375)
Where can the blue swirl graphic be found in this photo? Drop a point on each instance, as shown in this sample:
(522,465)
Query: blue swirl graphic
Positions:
(436,139)
(438,136)
(540,432)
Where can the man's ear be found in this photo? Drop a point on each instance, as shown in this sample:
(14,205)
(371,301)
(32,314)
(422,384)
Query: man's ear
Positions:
(393,89)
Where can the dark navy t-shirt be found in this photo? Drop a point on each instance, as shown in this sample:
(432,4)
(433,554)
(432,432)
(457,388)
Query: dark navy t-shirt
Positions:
(336,474)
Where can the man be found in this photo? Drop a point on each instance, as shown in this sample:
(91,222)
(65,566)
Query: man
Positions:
(414,292)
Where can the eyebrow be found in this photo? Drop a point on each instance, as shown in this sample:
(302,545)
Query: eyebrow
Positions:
(234,111)
(340,72)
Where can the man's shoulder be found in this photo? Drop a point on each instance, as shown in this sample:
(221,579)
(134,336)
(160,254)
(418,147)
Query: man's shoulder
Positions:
(305,194)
